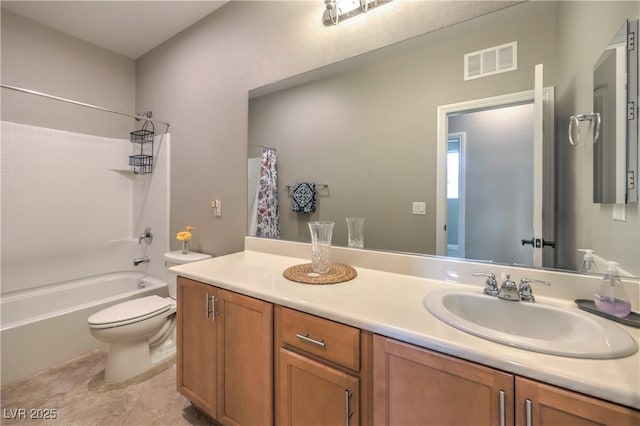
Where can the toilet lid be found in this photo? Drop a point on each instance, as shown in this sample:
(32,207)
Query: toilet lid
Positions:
(132,310)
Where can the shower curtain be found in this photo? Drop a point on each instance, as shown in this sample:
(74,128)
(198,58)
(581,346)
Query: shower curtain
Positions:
(267,197)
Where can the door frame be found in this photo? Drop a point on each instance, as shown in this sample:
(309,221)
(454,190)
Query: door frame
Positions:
(441,155)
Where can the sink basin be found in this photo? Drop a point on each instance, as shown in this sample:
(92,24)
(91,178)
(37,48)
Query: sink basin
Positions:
(537,327)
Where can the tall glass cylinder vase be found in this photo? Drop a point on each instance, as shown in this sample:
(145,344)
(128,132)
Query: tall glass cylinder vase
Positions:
(321,233)
(355,229)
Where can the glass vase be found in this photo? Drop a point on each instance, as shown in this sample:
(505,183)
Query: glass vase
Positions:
(321,246)
(185,247)
(355,229)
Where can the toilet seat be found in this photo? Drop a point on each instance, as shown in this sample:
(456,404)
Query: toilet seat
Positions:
(131,311)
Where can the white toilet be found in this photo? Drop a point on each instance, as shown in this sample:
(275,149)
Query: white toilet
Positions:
(140,332)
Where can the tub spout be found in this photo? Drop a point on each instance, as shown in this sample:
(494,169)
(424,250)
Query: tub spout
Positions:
(138,260)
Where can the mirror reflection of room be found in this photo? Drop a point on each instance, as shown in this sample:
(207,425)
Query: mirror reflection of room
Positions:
(370,131)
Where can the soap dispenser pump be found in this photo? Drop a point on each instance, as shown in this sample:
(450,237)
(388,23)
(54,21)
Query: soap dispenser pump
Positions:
(612,299)
(588,264)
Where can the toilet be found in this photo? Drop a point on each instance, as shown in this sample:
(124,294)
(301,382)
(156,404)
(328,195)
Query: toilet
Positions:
(140,332)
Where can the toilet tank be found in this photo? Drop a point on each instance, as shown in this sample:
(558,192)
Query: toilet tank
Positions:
(174,258)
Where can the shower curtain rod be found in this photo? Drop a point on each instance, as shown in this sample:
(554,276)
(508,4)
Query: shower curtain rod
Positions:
(71,101)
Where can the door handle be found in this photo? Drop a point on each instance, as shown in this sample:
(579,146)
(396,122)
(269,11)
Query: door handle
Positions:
(528,242)
(503,408)
(538,243)
(347,409)
(208,303)
(528,412)
(546,243)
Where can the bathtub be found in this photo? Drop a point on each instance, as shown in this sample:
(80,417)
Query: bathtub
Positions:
(48,325)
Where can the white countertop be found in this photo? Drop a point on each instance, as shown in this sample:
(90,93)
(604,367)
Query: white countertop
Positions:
(390,304)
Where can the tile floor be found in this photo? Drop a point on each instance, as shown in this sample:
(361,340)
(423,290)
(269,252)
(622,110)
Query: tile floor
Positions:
(75,394)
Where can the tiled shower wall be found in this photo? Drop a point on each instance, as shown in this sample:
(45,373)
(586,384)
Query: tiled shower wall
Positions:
(72,208)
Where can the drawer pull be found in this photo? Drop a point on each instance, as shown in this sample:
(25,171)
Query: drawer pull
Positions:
(208,299)
(214,311)
(306,338)
(529,411)
(347,409)
(503,408)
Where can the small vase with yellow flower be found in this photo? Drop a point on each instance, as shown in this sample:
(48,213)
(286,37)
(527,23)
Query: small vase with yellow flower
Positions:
(185,237)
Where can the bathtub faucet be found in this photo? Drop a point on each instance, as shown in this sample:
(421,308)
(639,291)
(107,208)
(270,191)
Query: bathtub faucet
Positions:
(138,260)
(147,236)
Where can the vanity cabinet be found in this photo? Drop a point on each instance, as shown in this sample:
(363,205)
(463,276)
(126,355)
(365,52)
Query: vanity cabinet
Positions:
(540,404)
(416,386)
(225,353)
(322,371)
(244,361)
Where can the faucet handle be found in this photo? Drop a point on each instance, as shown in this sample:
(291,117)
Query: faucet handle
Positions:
(525,291)
(490,285)
(147,236)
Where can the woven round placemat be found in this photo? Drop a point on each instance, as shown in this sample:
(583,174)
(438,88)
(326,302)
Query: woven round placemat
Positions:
(304,274)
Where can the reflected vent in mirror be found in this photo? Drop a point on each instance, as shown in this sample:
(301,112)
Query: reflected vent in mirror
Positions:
(493,60)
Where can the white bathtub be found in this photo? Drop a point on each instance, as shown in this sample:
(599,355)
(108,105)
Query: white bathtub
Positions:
(45,326)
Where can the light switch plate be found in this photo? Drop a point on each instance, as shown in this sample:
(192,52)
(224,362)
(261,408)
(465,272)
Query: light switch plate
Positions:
(419,207)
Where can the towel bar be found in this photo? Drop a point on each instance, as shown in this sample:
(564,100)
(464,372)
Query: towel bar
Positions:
(318,185)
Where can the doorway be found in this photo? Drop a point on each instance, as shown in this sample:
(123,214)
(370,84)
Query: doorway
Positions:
(506,195)
(495,209)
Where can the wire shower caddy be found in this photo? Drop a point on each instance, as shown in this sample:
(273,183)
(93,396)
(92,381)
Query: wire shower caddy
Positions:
(142,160)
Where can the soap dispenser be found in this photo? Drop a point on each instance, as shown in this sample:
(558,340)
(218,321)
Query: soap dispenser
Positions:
(612,299)
(588,264)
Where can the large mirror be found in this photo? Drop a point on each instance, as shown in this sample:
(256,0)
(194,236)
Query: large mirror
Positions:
(365,131)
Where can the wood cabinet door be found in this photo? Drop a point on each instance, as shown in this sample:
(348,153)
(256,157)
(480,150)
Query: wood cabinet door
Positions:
(415,386)
(196,344)
(539,404)
(245,360)
(314,394)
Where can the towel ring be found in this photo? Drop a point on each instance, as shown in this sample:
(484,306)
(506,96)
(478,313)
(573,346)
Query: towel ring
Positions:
(575,120)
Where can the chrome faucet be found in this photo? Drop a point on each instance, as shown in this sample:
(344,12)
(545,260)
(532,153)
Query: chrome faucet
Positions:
(525,291)
(147,236)
(509,290)
(138,260)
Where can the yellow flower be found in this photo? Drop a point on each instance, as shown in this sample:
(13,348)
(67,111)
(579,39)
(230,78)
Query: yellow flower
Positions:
(186,234)
(183,236)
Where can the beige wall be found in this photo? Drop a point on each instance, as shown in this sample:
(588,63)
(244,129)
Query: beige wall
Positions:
(46,60)
(199,80)
(583,33)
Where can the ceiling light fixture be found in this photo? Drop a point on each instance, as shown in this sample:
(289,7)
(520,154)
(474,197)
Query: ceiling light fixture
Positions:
(339,10)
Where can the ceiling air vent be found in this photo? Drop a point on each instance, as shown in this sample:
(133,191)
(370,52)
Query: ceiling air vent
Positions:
(491,61)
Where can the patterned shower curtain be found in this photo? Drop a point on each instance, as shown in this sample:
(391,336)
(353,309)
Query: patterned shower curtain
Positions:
(268,220)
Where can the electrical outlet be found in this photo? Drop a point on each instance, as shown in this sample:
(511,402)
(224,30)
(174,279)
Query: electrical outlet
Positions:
(216,205)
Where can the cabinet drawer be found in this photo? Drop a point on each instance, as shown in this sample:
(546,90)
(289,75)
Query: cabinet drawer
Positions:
(332,341)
